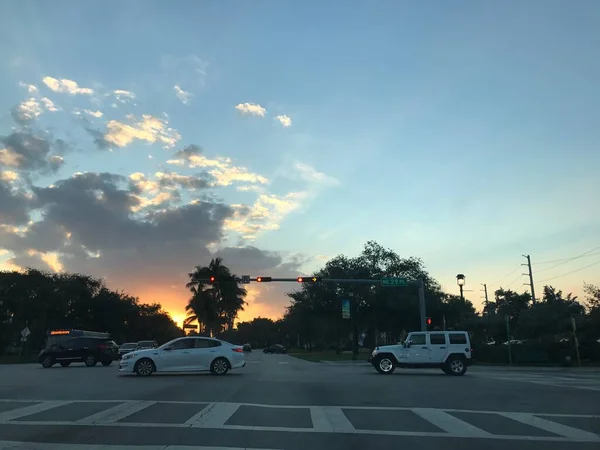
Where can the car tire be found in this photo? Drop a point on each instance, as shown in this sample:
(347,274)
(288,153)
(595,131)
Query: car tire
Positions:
(385,364)
(456,365)
(219,366)
(65,364)
(106,363)
(47,362)
(446,370)
(90,360)
(144,367)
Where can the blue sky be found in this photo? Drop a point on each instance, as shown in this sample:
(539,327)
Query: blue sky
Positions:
(462,132)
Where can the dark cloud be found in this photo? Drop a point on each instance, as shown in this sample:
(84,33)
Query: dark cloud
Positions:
(13,205)
(33,153)
(190,150)
(99,138)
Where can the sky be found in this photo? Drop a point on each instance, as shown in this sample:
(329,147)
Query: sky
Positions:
(141,138)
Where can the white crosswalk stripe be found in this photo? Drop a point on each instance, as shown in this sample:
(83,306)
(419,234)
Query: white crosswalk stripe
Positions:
(322,419)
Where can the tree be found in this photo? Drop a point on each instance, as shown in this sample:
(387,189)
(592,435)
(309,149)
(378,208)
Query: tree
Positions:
(42,301)
(214,305)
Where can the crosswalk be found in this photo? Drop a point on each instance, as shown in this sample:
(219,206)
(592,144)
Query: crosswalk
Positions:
(392,421)
(588,382)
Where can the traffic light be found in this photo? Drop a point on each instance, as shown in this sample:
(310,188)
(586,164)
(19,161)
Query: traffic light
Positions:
(308,279)
(263,279)
(429,321)
(212,279)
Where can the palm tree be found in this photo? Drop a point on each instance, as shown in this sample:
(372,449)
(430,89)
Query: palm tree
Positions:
(214,304)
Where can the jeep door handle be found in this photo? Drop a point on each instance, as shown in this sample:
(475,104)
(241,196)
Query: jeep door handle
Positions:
(443,348)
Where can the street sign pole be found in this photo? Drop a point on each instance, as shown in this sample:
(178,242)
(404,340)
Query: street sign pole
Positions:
(422,307)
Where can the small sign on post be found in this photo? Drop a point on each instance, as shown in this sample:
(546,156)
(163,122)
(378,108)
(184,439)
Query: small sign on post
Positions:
(345,309)
(394,281)
(245,279)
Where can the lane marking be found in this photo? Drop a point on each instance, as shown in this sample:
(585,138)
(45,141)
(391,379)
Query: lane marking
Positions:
(216,415)
(29,410)
(262,405)
(116,413)
(313,430)
(450,424)
(330,418)
(566,431)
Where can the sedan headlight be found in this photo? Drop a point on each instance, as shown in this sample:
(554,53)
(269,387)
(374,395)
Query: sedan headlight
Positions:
(128,356)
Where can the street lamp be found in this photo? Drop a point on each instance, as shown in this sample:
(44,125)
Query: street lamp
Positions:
(460,280)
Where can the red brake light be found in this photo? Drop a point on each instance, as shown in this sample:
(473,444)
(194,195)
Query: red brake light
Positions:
(238,349)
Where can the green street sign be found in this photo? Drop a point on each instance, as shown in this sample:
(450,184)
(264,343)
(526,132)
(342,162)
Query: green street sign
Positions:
(394,282)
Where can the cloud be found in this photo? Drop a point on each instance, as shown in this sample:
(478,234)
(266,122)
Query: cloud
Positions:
(13,204)
(223,172)
(284,120)
(123,96)
(31,88)
(27,111)
(252,109)
(266,214)
(182,95)
(191,69)
(96,114)
(49,104)
(24,150)
(309,174)
(150,129)
(66,86)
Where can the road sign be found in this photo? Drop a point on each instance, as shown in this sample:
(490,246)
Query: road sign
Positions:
(245,279)
(394,282)
(345,309)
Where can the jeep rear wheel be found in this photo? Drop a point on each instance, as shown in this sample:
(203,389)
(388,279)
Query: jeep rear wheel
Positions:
(385,365)
(456,365)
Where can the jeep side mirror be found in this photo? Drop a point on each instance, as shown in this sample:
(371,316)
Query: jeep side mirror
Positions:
(407,344)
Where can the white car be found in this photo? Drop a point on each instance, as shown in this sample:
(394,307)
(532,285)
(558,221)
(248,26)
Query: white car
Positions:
(187,354)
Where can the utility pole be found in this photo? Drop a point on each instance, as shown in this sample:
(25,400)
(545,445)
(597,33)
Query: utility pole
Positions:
(530,284)
(485,294)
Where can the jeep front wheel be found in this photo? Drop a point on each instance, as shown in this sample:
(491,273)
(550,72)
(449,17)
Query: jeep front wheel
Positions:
(385,365)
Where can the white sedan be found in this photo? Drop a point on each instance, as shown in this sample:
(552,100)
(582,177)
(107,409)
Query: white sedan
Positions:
(187,354)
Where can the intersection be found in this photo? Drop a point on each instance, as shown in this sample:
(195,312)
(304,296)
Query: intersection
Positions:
(280,402)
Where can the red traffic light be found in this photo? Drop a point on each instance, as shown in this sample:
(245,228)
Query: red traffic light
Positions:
(263,279)
(308,279)
(429,321)
(212,279)
(300,279)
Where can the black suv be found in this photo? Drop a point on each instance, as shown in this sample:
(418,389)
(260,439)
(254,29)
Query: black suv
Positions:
(89,350)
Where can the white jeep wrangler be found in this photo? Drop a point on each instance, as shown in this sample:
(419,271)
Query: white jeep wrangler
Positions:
(448,350)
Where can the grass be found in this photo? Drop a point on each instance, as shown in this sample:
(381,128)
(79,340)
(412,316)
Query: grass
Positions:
(326,355)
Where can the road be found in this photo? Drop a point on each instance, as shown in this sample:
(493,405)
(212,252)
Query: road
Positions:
(280,402)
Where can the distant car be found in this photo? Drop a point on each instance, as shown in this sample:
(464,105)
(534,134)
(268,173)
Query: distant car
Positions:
(187,354)
(143,345)
(127,347)
(276,348)
(247,348)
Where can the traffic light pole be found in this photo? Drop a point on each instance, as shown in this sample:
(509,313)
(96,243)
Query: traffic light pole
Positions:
(246,279)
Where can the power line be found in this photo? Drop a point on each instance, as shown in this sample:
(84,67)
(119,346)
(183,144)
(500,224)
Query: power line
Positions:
(508,275)
(563,259)
(514,281)
(569,260)
(569,273)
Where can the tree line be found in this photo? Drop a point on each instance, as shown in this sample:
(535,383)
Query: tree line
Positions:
(539,332)
(41,301)
(542,330)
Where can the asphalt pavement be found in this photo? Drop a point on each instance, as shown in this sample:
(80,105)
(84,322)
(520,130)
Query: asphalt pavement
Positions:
(280,402)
